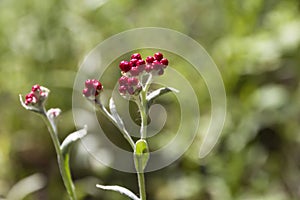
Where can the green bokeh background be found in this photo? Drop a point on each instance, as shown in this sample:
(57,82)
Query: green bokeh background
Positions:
(255,45)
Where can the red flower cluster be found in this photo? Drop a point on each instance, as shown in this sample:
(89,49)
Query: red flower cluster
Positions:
(92,88)
(37,95)
(134,74)
(136,66)
(136,69)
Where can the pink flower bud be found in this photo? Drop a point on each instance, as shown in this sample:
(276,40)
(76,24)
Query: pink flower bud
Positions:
(36,98)
(92,88)
(123,80)
(134,71)
(133,81)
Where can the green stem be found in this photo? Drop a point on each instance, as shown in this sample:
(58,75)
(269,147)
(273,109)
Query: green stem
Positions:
(142,189)
(143,111)
(142,104)
(63,162)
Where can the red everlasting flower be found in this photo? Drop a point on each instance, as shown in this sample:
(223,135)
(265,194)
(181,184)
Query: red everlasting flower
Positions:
(150,59)
(164,61)
(125,66)
(158,56)
(133,62)
(35,88)
(140,62)
(136,71)
(92,88)
(136,56)
(37,96)
(30,98)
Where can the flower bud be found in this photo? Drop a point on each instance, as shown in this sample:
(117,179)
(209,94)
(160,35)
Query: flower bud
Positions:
(36,98)
(92,88)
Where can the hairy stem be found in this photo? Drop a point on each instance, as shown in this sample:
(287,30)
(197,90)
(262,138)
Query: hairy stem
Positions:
(143,111)
(63,162)
(142,189)
(143,108)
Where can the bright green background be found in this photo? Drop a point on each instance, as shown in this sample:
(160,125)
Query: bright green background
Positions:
(254,43)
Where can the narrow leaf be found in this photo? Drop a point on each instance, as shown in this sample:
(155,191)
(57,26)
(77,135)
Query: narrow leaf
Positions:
(119,189)
(26,186)
(113,110)
(71,139)
(157,93)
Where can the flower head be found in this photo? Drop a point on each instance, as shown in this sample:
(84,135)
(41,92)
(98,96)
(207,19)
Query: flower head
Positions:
(137,72)
(92,88)
(136,66)
(38,95)
(36,98)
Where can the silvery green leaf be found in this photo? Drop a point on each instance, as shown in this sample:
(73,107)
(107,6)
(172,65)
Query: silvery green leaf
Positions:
(72,138)
(119,189)
(157,93)
(113,110)
(26,186)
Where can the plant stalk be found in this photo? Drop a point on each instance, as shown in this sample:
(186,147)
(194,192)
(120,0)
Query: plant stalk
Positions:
(142,189)
(143,111)
(63,162)
(142,105)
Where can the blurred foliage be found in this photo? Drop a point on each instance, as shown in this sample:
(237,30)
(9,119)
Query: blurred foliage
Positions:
(254,43)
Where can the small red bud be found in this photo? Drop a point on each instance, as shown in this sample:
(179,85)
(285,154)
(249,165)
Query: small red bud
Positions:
(149,59)
(29,95)
(133,62)
(158,56)
(136,56)
(164,61)
(140,62)
(125,66)
(97,85)
(35,88)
